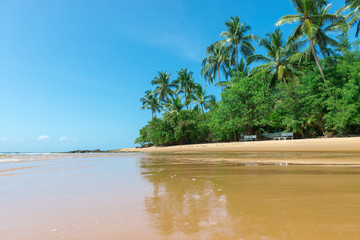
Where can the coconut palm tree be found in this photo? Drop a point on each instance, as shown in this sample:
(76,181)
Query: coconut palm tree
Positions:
(211,104)
(186,83)
(309,17)
(164,88)
(152,102)
(235,36)
(354,6)
(202,101)
(279,59)
(173,107)
(232,69)
(215,62)
(243,66)
(322,38)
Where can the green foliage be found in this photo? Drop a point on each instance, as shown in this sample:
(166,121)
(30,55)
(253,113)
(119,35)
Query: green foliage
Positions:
(143,136)
(343,104)
(186,127)
(294,90)
(158,132)
(244,107)
(300,106)
(311,106)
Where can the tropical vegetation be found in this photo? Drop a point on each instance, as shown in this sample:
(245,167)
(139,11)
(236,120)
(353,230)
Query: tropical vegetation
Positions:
(307,83)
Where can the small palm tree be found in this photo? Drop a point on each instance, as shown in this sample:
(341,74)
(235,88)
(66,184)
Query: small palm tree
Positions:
(152,102)
(309,17)
(186,83)
(243,67)
(202,101)
(279,59)
(215,62)
(164,88)
(235,36)
(173,108)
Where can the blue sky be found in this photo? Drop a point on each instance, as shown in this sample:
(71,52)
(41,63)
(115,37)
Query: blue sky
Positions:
(72,72)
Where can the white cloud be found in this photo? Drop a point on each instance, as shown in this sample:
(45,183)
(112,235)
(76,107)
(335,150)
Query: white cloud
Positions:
(42,137)
(3,139)
(63,138)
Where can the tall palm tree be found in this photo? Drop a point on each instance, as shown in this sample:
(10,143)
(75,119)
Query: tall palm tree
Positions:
(279,58)
(163,86)
(236,37)
(202,100)
(322,37)
(152,102)
(309,17)
(186,83)
(215,62)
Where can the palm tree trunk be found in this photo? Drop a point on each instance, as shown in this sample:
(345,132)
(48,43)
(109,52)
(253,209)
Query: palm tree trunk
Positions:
(219,79)
(284,80)
(187,104)
(317,59)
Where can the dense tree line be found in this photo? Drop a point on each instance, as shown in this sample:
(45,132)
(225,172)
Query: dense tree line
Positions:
(308,83)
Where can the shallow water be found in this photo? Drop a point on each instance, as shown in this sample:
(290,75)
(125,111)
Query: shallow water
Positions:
(179,196)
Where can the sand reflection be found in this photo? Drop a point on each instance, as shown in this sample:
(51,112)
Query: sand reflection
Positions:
(205,199)
(182,204)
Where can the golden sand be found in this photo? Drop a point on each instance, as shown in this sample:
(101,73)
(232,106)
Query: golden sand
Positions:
(351,144)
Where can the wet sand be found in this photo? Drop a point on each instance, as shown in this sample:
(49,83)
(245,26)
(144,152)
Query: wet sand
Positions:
(179,196)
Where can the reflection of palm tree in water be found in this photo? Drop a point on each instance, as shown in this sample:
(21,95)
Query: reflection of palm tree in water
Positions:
(181,202)
(228,200)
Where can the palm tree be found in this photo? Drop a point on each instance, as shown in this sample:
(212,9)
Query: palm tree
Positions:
(279,58)
(216,61)
(186,84)
(236,37)
(174,107)
(152,102)
(309,17)
(353,5)
(164,86)
(322,36)
(202,100)
(211,104)
(242,67)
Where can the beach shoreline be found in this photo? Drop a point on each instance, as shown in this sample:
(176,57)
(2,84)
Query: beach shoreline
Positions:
(348,144)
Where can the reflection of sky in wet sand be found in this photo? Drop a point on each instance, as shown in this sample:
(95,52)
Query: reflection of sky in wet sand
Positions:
(164,196)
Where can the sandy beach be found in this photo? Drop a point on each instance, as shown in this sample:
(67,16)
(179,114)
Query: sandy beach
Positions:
(177,196)
(350,144)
